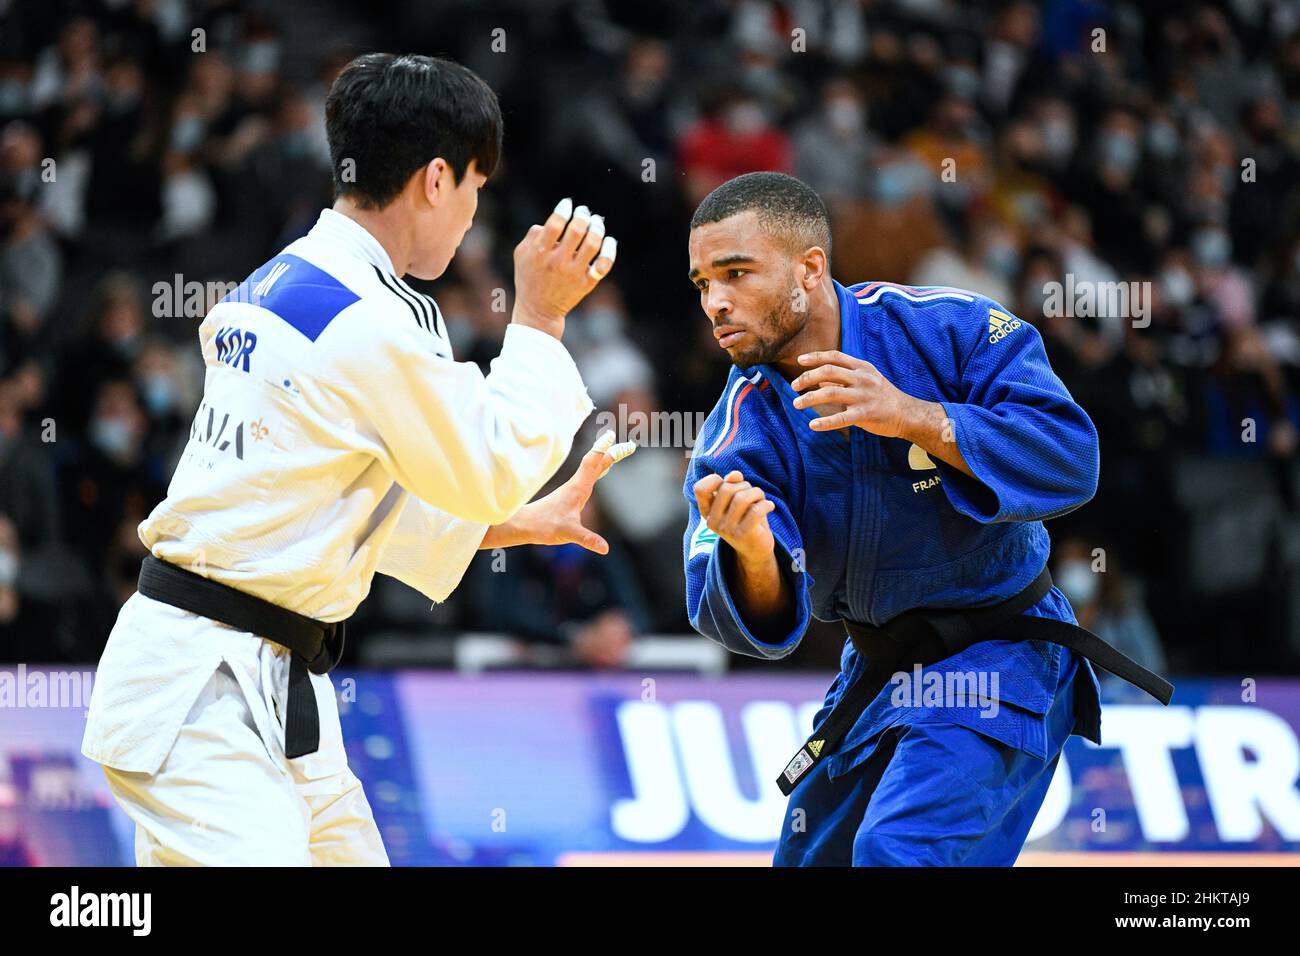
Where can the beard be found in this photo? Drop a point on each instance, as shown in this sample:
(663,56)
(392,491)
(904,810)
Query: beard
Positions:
(778,329)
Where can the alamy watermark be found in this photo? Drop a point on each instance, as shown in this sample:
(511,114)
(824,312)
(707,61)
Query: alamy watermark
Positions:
(654,429)
(20,688)
(1087,299)
(946,689)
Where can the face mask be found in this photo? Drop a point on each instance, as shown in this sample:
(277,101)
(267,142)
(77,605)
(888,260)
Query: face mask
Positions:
(1210,248)
(1058,140)
(128,347)
(745,119)
(1078,583)
(963,82)
(112,436)
(603,323)
(844,116)
(1162,140)
(159,394)
(1003,258)
(1177,287)
(893,185)
(8,567)
(1119,150)
(13,98)
(187,134)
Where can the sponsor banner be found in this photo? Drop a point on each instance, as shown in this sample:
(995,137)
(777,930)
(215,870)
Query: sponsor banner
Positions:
(543,769)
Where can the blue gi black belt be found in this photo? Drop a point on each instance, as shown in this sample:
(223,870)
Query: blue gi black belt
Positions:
(924,636)
(316,646)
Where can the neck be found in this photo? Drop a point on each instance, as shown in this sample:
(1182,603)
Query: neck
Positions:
(821,333)
(386,225)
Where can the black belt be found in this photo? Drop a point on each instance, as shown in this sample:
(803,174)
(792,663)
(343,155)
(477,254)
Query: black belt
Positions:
(923,637)
(316,646)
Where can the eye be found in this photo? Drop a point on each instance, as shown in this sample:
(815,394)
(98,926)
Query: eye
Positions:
(701,284)
(737,273)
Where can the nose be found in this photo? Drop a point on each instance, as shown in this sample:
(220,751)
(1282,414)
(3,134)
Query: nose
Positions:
(716,303)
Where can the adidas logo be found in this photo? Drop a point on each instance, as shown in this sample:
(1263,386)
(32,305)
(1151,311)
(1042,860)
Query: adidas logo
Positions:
(1001,325)
(815,747)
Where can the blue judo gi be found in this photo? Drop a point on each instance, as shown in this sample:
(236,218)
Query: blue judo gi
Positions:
(869,527)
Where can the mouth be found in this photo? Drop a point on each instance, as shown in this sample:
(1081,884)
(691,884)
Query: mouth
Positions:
(728,335)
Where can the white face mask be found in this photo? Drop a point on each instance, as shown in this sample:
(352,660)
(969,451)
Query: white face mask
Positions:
(746,118)
(1177,286)
(113,436)
(844,115)
(1078,582)
(8,567)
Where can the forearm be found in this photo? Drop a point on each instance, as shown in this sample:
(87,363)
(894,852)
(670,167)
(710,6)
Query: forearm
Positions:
(763,595)
(929,428)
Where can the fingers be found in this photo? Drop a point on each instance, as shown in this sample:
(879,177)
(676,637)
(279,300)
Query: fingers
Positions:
(826,395)
(605,261)
(555,222)
(577,230)
(595,235)
(823,373)
(704,490)
(832,357)
(739,510)
(722,501)
(605,452)
(731,506)
(593,542)
(831,422)
(754,514)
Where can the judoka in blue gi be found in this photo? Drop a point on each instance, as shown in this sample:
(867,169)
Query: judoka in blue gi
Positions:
(879,448)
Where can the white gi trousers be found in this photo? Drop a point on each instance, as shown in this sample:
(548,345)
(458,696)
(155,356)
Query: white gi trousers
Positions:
(187,717)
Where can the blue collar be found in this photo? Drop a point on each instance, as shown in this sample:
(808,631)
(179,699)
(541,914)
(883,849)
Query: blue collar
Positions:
(849,315)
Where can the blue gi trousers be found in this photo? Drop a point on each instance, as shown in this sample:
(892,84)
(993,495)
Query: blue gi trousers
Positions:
(926,792)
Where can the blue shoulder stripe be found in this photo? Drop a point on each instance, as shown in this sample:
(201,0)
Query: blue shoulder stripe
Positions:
(298,292)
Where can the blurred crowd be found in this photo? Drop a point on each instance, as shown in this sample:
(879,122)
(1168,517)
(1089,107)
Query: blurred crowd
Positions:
(1022,150)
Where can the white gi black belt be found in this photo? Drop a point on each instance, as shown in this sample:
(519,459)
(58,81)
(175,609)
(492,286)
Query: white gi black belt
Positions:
(923,636)
(316,646)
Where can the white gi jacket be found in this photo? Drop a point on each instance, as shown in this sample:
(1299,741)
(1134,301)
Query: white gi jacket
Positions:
(336,438)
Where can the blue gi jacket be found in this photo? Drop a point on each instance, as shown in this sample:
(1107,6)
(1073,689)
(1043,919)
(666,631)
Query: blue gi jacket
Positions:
(870,527)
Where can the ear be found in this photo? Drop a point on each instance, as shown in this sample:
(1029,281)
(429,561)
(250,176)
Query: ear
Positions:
(433,180)
(815,265)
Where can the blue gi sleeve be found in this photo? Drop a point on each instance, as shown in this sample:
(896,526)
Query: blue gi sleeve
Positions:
(1033,450)
(709,561)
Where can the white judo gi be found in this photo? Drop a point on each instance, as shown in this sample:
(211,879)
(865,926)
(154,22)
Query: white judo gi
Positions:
(336,438)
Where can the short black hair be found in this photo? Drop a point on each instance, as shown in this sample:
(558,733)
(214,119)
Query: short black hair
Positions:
(784,204)
(392,115)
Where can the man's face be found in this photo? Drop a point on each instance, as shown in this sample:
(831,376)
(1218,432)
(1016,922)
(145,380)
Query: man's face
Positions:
(748,288)
(446,220)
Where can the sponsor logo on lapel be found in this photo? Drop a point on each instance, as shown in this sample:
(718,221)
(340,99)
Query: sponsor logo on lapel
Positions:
(703,541)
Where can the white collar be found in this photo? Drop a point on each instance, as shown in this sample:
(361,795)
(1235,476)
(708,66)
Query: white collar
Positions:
(350,236)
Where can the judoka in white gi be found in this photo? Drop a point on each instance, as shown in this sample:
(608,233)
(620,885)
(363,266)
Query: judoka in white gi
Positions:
(337,437)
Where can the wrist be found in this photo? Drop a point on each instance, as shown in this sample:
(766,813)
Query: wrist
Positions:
(755,563)
(516,531)
(921,421)
(522,315)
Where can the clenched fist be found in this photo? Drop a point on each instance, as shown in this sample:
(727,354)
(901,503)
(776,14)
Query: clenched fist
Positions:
(737,511)
(558,263)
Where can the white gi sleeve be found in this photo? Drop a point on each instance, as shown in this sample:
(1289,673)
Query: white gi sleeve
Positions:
(477,447)
(430,549)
